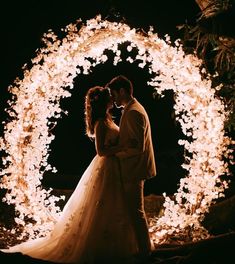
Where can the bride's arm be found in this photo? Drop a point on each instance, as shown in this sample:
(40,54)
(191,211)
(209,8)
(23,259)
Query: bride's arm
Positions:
(101,148)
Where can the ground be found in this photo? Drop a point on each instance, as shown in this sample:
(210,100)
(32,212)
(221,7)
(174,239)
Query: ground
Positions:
(217,249)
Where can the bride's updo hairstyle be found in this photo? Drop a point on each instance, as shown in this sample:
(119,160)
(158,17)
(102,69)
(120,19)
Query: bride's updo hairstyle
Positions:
(96,105)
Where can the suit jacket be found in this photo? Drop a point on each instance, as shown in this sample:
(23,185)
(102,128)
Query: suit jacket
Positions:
(137,159)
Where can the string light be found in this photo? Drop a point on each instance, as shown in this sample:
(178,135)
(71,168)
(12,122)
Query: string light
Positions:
(35,106)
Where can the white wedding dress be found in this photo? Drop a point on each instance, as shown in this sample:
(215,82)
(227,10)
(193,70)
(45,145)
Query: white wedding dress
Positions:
(94,226)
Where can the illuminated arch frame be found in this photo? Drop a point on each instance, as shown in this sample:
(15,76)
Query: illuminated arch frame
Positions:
(35,106)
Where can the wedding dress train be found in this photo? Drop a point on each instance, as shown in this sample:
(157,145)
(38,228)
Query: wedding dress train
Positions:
(94,226)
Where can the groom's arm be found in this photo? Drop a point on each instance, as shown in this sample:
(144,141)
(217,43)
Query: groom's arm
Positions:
(135,135)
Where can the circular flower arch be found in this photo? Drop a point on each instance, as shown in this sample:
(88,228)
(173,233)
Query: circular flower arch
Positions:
(35,106)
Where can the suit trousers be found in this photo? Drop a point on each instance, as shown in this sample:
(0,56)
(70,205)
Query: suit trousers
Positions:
(134,197)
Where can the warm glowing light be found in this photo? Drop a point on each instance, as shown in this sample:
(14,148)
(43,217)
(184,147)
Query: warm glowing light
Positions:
(35,106)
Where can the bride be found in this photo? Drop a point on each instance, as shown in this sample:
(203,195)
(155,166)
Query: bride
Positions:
(94,226)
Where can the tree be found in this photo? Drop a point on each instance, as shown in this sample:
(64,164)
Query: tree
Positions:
(213,41)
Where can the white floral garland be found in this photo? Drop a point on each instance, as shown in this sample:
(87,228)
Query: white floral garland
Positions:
(35,106)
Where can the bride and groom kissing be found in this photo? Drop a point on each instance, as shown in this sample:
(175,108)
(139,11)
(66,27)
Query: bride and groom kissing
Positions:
(104,220)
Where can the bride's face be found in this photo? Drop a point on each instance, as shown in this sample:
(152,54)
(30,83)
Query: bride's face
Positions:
(110,103)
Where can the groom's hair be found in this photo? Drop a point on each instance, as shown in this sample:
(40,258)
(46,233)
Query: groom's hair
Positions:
(119,82)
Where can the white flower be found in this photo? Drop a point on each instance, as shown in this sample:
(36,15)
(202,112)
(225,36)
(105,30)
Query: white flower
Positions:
(37,98)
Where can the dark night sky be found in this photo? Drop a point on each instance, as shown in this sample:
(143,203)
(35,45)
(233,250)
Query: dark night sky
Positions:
(22,26)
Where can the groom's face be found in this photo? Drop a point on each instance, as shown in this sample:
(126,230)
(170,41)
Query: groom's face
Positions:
(117,98)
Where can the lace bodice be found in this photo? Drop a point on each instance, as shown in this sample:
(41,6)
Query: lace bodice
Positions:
(111,136)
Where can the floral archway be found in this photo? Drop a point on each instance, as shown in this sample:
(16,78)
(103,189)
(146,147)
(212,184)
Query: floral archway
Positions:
(35,106)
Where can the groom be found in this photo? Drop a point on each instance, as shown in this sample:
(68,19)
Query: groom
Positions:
(137,158)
